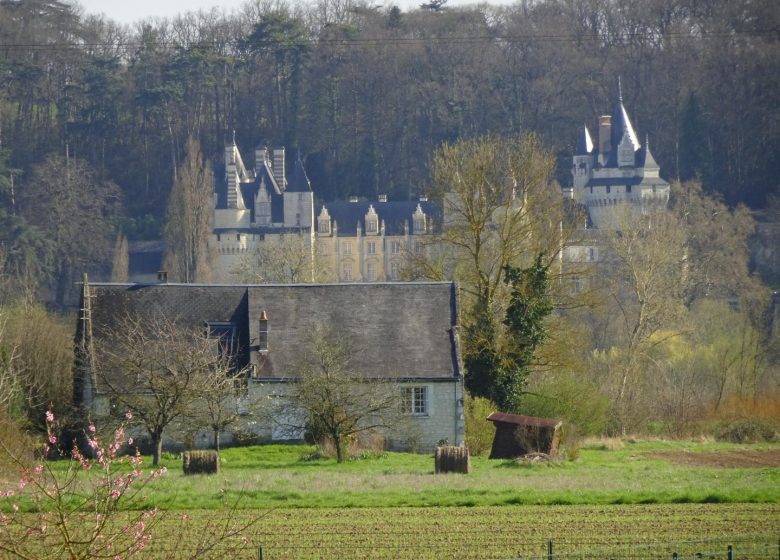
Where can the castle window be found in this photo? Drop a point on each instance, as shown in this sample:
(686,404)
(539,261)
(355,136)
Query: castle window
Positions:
(395,273)
(346,272)
(297,219)
(238,237)
(395,247)
(418,247)
(628,189)
(418,219)
(576,285)
(415,400)
(218,238)
(346,248)
(371,272)
(371,247)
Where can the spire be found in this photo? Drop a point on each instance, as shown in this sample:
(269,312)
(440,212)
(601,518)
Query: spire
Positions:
(648,160)
(585,143)
(621,126)
(620,90)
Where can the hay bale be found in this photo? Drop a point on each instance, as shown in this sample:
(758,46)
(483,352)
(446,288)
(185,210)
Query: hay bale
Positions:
(451,458)
(201,462)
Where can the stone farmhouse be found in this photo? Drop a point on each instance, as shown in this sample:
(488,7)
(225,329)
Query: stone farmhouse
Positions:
(404,334)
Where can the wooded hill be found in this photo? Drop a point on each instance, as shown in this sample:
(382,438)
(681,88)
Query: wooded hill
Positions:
(367,93)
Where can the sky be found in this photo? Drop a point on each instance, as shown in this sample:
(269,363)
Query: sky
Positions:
(128,11)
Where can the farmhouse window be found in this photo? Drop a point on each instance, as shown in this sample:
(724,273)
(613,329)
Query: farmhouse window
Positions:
(415,400)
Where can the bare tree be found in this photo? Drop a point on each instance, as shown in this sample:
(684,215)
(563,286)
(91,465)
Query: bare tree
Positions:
(335,401)
(75,209)
(121,262)
(644,277)
(188,224)
(159,370)
(289,258)
(224,400)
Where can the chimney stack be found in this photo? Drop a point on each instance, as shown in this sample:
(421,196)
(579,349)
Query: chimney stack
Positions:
(278,167)
(605,137)
(260,157)
(162,276)
(382,198)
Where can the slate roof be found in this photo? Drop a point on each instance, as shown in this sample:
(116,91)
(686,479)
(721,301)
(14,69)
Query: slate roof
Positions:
(397,330)
(394,213)
(521,420)
(585,143)
(297,180)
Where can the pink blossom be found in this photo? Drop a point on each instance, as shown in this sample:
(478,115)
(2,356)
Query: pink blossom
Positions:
(92,428)
(9,493)
(185,516)
(115,493)
(130,441)
(163,470)
(129,415)
(49,416)
(38,470)
(52,439)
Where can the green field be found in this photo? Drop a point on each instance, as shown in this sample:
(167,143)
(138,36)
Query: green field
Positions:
(285,476)
(629,502)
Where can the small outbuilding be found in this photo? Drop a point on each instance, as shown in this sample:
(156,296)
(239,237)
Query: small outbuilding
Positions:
(518,435)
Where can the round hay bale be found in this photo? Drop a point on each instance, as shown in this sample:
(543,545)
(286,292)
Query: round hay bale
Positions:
(452,459)
(201,462)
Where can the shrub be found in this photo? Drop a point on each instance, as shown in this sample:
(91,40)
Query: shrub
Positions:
(479,430)
(565,397)
(201,462)
(745,431)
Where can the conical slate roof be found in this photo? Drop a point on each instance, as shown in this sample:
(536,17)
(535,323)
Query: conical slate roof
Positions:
(585,144)
(298,181)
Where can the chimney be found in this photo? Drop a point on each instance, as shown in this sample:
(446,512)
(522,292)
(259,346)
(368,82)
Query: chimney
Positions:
(162,276)
(260,156)
(605,134)
(279,168)
(231,175)
(382,198)
(262,333)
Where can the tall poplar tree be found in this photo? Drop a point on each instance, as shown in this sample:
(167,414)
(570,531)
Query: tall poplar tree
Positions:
(188,225)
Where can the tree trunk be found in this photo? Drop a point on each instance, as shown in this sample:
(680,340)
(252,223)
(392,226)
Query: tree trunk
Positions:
(216,439)
(339,451)
(157,449)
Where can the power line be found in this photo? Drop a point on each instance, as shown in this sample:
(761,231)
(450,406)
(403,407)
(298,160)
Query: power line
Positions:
(396,41)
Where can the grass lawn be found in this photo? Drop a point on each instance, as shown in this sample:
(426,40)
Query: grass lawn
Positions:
(644,499)
(639,473)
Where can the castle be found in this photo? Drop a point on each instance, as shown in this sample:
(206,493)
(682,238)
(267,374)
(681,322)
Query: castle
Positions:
(616,173)
(351,241)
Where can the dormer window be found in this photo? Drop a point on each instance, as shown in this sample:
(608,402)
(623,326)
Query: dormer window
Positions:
(372,220)
(323,222)
(418,218)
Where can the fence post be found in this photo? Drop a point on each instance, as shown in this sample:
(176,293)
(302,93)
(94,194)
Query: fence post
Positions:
(549,549)
(259,552)
(730,553)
